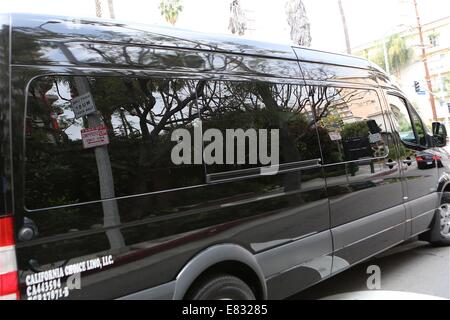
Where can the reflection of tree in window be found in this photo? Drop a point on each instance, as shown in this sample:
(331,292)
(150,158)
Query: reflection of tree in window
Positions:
(140,115)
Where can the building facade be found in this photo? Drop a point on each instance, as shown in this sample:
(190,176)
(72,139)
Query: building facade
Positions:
(437,45)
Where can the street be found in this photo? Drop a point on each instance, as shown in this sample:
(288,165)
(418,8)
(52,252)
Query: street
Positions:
(414,267)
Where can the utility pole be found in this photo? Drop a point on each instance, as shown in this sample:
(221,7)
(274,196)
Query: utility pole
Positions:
(111,9)
(344,23)
(425,63)
(111,215)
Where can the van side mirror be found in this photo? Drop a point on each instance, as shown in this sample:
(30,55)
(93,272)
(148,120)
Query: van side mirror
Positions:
(439,134)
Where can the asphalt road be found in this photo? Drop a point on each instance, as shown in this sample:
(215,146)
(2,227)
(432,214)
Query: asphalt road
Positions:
(414,267)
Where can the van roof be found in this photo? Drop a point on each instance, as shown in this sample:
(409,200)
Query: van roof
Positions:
(47,29)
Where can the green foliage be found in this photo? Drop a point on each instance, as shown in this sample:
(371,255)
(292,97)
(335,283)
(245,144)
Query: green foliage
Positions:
(356,129)
(170,9)
(332,122)
(399,54)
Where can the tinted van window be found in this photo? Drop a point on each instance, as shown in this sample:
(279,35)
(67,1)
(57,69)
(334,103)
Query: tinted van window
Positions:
(137,116)
(351,124)
(256,107)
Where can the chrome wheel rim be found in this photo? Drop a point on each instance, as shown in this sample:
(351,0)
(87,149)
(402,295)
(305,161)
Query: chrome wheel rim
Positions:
(444,211)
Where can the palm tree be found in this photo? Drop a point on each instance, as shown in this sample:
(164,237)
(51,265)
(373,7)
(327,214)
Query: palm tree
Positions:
(398,54)
(170,9)
(98,8)
(237,23)
(298,22)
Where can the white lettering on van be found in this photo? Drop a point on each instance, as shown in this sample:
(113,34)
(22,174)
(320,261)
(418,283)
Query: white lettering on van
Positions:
(48,285)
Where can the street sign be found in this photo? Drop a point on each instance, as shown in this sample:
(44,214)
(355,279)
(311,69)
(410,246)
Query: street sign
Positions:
(335,136)
(374,138)
(95,137)
(83,105)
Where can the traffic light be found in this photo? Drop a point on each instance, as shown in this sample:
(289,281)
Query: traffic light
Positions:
(417,86)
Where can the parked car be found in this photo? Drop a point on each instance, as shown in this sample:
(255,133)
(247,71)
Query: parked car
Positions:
(117,182)
(427,160)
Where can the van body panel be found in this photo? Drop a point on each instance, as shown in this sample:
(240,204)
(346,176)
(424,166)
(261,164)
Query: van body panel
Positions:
(5,124)
(301,252)
(46,33)
(348,234)
(162,292)
(364,237)
(421,215)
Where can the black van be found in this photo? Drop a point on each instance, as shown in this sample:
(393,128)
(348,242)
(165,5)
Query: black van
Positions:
(93,206)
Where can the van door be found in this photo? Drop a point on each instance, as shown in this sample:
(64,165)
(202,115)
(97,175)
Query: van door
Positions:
(109,210)
(362,174)
(419,162)
(291,239)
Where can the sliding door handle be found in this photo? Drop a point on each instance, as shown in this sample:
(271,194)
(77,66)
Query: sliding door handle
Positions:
(407,162)
(390,163)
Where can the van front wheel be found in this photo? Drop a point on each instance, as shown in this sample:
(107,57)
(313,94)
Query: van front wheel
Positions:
(439,234)
(221,287)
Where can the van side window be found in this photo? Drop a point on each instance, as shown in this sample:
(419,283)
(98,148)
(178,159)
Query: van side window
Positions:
(409,128)
(257,107)
(350,123)
(419,127)
(133,120)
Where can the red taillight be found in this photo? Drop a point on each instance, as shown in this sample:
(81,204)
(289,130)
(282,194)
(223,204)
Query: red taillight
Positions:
(6,232)
(436,158)
(9,284)
(419,159)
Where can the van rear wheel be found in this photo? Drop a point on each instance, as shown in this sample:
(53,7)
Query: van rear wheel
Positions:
(221,287)
(439,234)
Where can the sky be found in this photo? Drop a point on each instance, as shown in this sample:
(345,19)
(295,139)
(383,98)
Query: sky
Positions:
(368,20)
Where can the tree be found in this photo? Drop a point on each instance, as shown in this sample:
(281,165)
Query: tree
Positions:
(170,9)
(399,54)
(298,22)
(98,8)
(237,23)
(111,9)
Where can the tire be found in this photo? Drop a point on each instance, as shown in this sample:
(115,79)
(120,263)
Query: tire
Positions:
(221,287)
(439,234)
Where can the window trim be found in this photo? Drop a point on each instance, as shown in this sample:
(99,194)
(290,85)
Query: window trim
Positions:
(243,174)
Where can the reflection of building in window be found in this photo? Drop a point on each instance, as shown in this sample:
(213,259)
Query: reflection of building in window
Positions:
(358,106)
(345,113)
